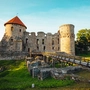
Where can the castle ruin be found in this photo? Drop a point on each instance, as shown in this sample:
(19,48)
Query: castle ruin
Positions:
(17,39)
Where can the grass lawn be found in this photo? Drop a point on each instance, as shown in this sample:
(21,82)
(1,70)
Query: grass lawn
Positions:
(87,56)
(16,77)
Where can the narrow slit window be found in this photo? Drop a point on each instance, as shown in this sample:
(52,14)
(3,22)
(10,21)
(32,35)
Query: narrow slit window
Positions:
(58,40)
(52,48)
(19,30)
(26,40)
(37,47)
(37,41)
(42,41)
(11,28)
(44,48)
(53,41)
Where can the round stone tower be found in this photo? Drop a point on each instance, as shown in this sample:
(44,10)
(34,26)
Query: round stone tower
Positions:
(14,28)
(67,39)
(14,32)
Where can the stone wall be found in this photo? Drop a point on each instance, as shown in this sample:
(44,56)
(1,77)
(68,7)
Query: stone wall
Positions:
(13,55)
(42,42)
(16,38)
(67,39)
(13,58)
(14,30)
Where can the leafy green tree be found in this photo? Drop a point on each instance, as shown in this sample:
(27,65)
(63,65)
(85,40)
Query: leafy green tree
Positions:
(83,33)
(83,41)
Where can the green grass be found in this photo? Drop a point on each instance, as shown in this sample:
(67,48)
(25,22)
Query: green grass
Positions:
(87,56)
(16,77)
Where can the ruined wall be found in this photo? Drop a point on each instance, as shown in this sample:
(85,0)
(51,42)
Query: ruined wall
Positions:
(55,42)
(12,38)
(33,41)
(41,42)
(18,45)
(16,38)
(29,41)
(49,42)
(52,43)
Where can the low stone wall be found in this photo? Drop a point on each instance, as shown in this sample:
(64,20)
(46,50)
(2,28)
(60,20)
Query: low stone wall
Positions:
(13,58)
(13,55)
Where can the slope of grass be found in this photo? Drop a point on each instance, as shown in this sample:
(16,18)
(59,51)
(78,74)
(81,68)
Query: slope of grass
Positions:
(17,77)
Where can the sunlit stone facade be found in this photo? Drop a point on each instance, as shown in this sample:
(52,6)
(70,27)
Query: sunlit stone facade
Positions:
(16,38)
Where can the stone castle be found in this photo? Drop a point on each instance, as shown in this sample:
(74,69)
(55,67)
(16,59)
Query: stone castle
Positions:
(17,39)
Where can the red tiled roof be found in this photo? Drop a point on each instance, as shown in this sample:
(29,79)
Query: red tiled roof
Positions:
(15,20)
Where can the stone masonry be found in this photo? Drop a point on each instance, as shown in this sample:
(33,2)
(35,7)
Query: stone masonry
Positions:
(17,39)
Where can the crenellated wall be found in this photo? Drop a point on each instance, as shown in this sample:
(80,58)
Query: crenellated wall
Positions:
(16,38)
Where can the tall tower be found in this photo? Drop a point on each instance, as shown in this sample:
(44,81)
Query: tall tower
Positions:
(67,39)
(14,31)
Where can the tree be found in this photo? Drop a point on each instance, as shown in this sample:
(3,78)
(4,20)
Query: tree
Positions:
(83,41)
(83,33)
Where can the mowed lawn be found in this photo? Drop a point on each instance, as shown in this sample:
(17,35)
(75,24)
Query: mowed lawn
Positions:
(16,77)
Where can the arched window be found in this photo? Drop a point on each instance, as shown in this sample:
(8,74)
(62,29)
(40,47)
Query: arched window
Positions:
(52,48)
(11,28)
(52,41)
(19,30)
(11,40)
(37,41)
(44,48)
(42,41)
(26,40)
(37,47)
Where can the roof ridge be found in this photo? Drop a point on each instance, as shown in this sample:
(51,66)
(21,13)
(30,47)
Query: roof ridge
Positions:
(15,20)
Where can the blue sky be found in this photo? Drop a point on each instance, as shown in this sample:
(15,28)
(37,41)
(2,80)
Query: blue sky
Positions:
(46,15)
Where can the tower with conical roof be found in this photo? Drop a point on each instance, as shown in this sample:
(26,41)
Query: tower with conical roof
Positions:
(14,27)
(14,31)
